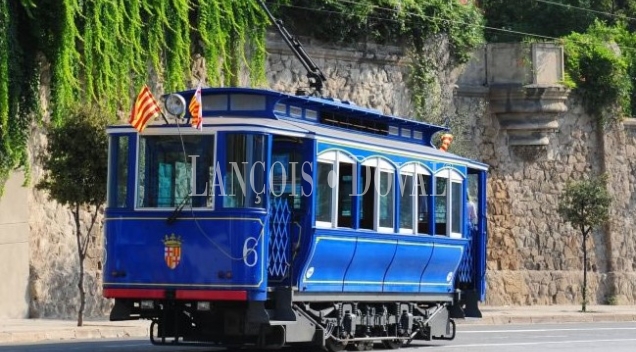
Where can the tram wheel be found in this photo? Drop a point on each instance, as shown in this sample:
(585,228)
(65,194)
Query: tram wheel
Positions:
(392,344)
(334,345)
(362,346)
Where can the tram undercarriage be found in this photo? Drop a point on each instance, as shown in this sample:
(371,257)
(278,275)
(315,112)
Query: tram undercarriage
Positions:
(333,326)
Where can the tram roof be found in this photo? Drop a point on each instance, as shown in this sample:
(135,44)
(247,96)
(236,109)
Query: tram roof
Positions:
(308,130)
(234,101)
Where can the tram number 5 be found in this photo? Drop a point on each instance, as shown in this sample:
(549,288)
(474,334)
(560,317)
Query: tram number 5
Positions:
(250,256)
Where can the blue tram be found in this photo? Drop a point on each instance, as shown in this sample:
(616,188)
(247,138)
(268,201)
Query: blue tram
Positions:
(292,220)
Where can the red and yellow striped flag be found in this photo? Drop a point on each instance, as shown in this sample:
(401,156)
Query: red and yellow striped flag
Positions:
(145,108)
(196,110)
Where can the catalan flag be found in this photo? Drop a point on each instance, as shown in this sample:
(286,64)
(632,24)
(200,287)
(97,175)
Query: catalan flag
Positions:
(145,108)
(196,110)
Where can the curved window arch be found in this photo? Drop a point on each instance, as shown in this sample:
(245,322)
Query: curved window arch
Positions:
(448,202)
(415,167)
(336,155)
(334,182)
(377,201)
(415,182)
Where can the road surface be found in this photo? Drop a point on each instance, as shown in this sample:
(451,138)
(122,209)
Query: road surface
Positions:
(570,337)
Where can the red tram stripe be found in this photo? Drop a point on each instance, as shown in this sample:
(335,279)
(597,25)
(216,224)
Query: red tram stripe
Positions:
(216,295)
(134,293)
(208,295)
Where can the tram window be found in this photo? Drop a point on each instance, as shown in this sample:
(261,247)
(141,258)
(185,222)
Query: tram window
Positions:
(285,178)
(406,202)
(448,203)
(118,184)
(367,180)
(385,198)
(244,178)
(423,191)
(165,171)
(456,207)
(441,203)
(335,186)
(377,201)
(324,199)
(415,184)
(345,190)
(473,196)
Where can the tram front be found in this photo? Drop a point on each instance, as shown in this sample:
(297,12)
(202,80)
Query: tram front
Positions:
(186,231)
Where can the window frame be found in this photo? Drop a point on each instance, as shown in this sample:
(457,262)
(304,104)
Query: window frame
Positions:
(334,157)
(114,170)
(413,169)
(136,179)
(249,195)
(451,176)
(381,165)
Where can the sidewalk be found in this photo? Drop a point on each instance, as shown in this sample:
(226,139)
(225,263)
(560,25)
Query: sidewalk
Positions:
(551,314)
(13,331)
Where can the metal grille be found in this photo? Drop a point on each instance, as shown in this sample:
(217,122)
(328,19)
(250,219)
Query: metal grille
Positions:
(279,249)
(466,267)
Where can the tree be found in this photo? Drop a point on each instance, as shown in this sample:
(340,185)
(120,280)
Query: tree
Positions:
(75,168)
(585,204)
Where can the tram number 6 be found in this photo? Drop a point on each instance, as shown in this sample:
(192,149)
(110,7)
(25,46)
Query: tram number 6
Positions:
(249,250)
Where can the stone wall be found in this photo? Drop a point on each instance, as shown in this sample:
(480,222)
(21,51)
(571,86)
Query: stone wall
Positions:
(533,257)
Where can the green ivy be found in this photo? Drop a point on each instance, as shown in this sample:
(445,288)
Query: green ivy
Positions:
(7,160)
(101,51)
(18,87)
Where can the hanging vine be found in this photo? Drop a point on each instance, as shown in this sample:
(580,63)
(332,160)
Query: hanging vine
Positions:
(226,28)
(18,83)
(101,52)
(7,161)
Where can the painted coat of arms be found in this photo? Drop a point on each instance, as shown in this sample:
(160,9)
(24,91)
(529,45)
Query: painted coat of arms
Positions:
(172,250)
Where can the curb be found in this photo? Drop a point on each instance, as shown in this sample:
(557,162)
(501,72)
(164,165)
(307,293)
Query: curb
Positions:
(524,319)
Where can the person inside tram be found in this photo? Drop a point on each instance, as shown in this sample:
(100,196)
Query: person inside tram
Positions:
(472,212)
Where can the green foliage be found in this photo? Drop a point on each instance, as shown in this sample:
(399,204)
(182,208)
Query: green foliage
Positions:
(18,87)
(76,160)
(540,18)
(101,51)
(75,166)
(585,204)
(225,28)
(406,22)
(599,63)
(599,46)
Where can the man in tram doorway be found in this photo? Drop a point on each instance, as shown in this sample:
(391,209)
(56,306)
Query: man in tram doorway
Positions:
(472,213)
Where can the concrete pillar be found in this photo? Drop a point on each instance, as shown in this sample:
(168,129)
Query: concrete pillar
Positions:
(14,249)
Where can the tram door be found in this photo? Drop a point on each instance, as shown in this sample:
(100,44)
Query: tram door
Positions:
(472,279)
(285,206)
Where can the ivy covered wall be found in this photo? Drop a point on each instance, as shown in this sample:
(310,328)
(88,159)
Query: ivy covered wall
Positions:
(102,51)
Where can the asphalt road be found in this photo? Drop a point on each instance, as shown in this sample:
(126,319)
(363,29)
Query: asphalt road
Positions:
(588,337)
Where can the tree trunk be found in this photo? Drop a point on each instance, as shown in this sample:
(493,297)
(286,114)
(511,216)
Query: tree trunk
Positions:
(584,271)
(81,254)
